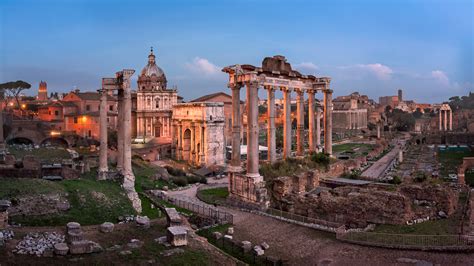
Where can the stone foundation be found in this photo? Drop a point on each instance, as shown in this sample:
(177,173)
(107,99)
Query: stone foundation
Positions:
(245,190)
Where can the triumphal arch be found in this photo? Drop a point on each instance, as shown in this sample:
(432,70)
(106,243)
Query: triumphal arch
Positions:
(274,74)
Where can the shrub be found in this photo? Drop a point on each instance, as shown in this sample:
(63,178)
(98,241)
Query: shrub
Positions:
(420,177)
(180,181)
(320,158)
(175,171)
(396,180)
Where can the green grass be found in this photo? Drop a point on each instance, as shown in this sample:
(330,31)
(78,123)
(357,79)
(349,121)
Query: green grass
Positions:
(213,195)
(451,159)
(16,187)
(353,149)
(44,154)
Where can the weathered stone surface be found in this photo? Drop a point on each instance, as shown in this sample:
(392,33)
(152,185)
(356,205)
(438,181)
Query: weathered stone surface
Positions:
(258,251)
(43,204)
(177,236)
(228,237)
(143,222)
(30,162)
(173,217)
(230,230)
(106,227)
(61,249)
(135,243)
(265,246)
(217,235)
(37,243)
(246,246)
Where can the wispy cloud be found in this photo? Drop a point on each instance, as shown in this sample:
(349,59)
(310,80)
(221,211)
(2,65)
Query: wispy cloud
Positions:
(203,66)
(380,71)
(307,67)
(440,76)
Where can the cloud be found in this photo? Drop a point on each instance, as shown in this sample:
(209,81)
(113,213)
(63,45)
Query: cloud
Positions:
(440,76)
(382,72)
(307,66)
(203,66)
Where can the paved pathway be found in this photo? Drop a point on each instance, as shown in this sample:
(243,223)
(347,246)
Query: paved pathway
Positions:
(377,170)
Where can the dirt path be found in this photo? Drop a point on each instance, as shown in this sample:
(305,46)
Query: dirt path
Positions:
(304,246)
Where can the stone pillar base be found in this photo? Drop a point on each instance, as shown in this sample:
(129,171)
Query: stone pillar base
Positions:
(103,175)
(247,190)
(235,169)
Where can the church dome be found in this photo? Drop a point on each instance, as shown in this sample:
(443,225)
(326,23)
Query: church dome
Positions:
(152,69)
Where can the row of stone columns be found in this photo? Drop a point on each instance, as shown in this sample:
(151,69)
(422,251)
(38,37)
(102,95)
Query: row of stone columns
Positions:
(444,125)
(252,125)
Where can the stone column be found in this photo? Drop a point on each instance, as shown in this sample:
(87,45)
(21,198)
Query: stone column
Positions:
(299,122)
(400,156)
(252,129)
(318,128)
(450,120)
(236,126)
(440,119)
(286,122)
(201,152)
(312,142)
(271,139)
(445,124)
(180,141)
(128,176)
(328,122)
(120,126)
(103,167)
(193,141)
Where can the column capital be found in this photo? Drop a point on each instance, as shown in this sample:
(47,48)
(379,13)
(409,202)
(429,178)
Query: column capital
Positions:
(252,83)
(328,91)
(285,89)
(311,91)
(299,91)
(234,86)
(269,87)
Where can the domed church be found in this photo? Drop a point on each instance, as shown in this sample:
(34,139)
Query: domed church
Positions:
(154,102)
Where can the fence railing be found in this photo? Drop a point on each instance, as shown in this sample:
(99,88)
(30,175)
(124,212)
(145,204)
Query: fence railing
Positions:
(201,209)
(301,218)
(407,241)
(237,251)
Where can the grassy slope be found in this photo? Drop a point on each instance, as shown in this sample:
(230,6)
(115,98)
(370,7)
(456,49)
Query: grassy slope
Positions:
(213,195)
(45,154)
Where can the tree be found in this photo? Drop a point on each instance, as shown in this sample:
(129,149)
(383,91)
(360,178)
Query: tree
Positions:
(417,114)
(13,89)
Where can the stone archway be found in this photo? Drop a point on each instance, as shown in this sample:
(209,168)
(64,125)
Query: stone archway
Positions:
(20,140)
(186,144)
(467,163)
(55,142)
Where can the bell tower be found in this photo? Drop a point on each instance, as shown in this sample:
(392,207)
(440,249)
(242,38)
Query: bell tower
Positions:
(43,91)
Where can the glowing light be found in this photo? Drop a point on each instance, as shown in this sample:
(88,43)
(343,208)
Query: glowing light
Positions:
(84,119)
(23,106)
(55,133)
(10,103)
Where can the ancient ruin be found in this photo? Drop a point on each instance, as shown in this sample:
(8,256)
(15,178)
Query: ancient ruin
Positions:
(275,73)
(121,83)
(198,133)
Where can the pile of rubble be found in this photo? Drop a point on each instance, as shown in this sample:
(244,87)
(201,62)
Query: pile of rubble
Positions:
(38,243)
(5,235)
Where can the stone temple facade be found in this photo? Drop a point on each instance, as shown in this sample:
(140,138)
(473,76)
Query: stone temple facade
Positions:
(350,112)
(198,133)
(154,102)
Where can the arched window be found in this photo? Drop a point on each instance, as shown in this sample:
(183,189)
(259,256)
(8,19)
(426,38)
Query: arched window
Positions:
(148,102)
(157,103)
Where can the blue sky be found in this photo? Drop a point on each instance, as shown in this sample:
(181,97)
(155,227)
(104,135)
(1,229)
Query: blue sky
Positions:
(375,47)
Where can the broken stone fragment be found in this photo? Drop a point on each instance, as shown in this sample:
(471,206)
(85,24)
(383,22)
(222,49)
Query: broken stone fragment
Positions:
(265,246)
(106,227)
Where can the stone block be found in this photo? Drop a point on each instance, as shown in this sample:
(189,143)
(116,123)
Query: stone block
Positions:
(61,249)
(10,159)
(80,247)
(217,235)
(257,250)
(177,236)
(74,236)
(246,246)
(143,222)
(230,230)
(265,246)
(228,237)
(31,163)
(174,219)
(106,227)
(3,220)
(135,243)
